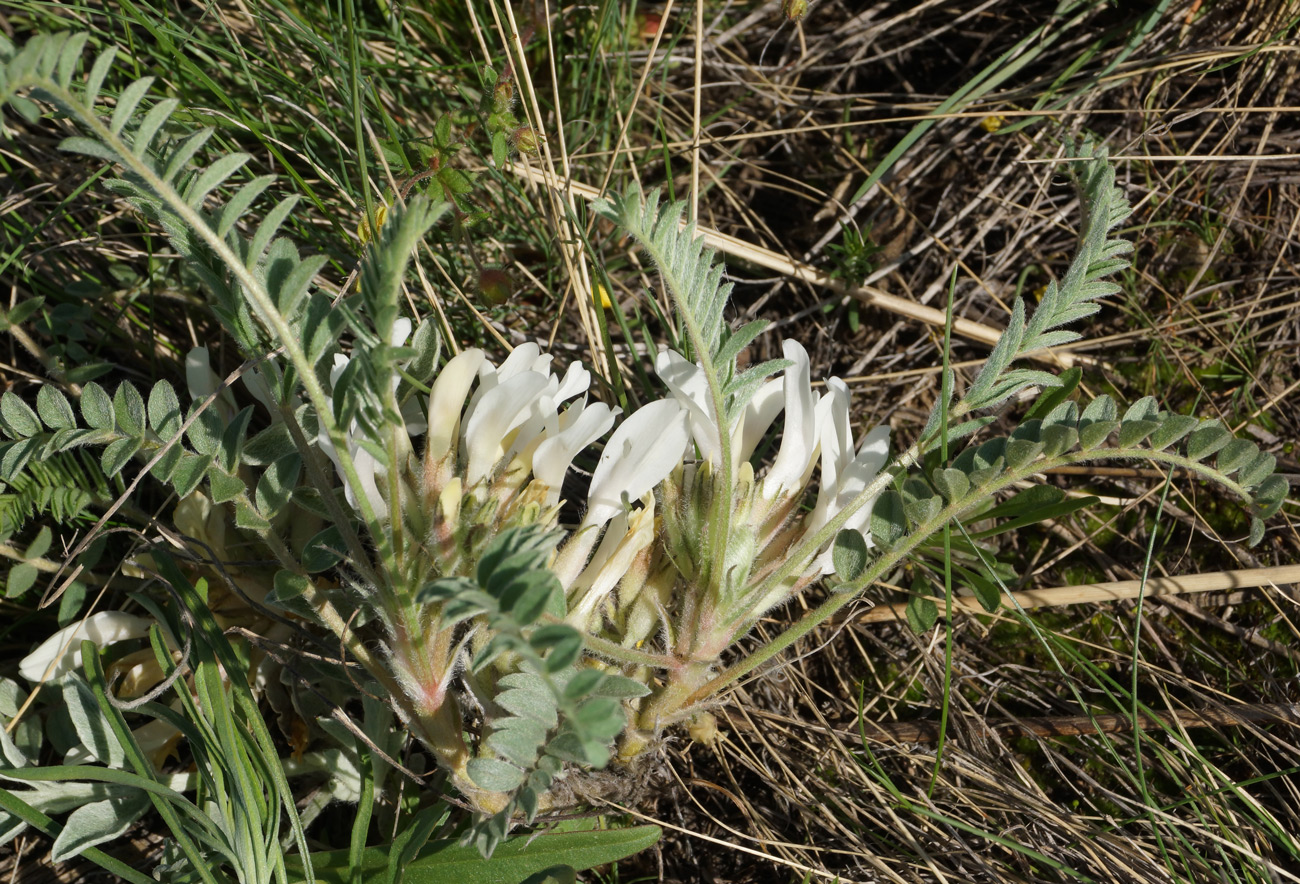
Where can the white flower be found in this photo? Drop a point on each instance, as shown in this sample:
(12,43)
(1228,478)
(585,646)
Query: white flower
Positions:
(202,382)
(513,416)
(800,441)
(60,654)
(627,535)
(504,408)
(690,388)
(196,516)
(516,408)
(577,428)
(845,474)
(643,451)
(792,393)
(640,455)
(446,400)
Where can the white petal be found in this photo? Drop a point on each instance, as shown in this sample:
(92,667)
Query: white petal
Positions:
(799,442)
(201,380)
(640,454)
(582,601)
(448,398)
(63,649)
(624,540)
(255,383)
(539,419)
(836,445)
(413,417)
(340,363)
(368,471)
(760,412)
(525,357)
(552,458)
(872,456)
(401,331)
(576,380)
(690,387)
(494,416)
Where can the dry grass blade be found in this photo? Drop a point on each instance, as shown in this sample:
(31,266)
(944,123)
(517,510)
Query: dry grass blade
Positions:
(1096,593)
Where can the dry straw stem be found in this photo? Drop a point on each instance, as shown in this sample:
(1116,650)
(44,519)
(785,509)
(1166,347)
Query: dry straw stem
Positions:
(1086,593)
(770,260)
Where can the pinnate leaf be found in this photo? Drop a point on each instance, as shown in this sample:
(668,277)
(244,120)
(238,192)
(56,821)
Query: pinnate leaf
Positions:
(563,644)
(1131,432)
(96,407)
(1207,439)
(951,483)
(128,408)
(922,613)
(189,473)
(1236,453)
(127,102)
(117,453)
(276,485)
(1256,531)
(54,409)
(20,420)
(849,554)
(1257,470)
(1055,397)
(1022,452)
(164,410)
(213,176)
(1060,438)
(225,487)
(1172,428)
(495,775)
(888,521)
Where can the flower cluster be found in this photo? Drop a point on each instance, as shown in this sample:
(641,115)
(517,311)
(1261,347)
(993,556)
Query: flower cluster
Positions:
(641,565)
(684,539)
(701,608)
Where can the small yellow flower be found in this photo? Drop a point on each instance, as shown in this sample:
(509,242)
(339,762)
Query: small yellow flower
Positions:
(993,122)
(601,296)
(363,229)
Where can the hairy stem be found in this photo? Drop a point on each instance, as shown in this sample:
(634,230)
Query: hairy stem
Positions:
(954,510)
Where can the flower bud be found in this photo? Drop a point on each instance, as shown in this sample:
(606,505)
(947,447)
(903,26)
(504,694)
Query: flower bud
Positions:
(495,286)
(794,10)
(703,729)
(503,95)
(651,22)
(526,140)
